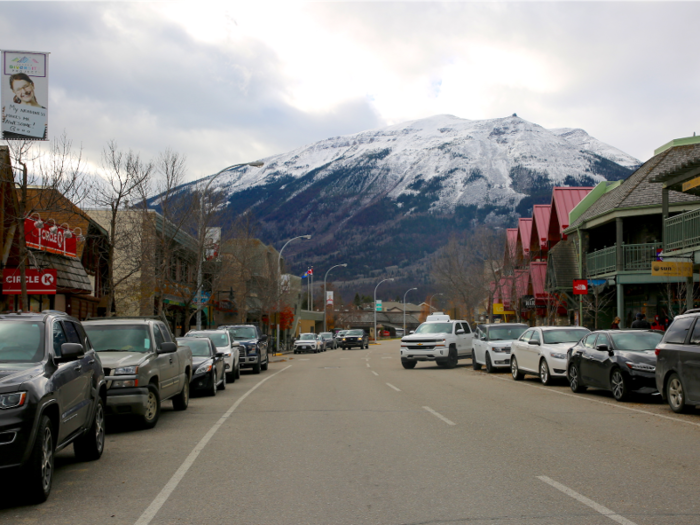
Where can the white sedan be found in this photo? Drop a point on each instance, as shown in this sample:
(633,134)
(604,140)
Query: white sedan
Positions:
(542,351)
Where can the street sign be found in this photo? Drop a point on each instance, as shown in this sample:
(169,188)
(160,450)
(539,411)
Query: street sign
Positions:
(580,287)
(378,306)
(205,298)
(39,282)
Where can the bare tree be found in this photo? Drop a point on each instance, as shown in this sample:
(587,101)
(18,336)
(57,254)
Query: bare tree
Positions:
(596,302)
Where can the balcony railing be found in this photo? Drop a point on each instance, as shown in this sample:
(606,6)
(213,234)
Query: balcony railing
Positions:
(635,258)
(683,230)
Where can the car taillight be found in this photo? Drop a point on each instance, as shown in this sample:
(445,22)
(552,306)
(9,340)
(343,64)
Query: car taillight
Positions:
(656,352)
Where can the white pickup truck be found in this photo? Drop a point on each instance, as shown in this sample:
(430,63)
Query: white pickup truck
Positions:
(438,339)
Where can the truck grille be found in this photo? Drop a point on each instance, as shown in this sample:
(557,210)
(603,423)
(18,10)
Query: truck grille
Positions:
(422,347)
(241,351)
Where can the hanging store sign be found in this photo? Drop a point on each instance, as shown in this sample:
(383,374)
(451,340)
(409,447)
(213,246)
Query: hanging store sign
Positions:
(692,183)
(499,309)
(39,282)
(672,269)
(329,298)
(580,287)
(527,303)
(24,95)
(59,241)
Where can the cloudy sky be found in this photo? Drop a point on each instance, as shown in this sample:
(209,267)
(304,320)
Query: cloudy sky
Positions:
(228,82)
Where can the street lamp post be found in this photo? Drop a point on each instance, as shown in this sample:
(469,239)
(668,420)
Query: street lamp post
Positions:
(404,309)
(279,279)
(200,273)
(430,302)
(325,307)
(375,307)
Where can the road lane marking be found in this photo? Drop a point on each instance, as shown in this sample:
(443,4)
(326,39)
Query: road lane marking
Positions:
(392,386)
(375,373)
(172,484)
(305,359)
(586,398)
(387,358)
(440,416)
(583,499)
(368,365)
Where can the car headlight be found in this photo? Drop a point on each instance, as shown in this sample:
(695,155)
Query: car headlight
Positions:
(125,383)
(14,400)
(203,369)
(496,349)
(558,355)
(642,367)
(252,350)
(126,371)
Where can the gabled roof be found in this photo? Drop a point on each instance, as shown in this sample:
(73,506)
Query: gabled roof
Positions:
(522,282)
(525,234)
(511,243)
(538,276)
(638,189)
(540,217)
(563,201)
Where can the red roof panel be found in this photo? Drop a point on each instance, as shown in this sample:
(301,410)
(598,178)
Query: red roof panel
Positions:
(512,242)
(525,234)
(538,275)
(541,214)
(522,282)
(563,201)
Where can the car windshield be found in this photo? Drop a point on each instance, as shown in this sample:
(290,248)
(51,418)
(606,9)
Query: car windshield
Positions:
(220,339)
(326,335)
(21,342)
(199,347)
(636,342)
(242,332)
(564,335)
(434,328)
(505,333)
(119,338)
(307,337)
(354,332)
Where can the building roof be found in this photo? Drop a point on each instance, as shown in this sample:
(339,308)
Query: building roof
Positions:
(563,201)
(639,190)
(391,305)
(70,274)
(525,234)
(540,217)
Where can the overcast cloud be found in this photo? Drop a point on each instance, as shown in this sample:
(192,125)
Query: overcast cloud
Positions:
(233,82)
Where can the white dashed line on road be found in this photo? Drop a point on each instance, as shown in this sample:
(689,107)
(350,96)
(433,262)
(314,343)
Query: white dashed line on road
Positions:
(387,358)
(440,416)
(375,373)
(392,386)
(367,365)
(583,499)
(172,484)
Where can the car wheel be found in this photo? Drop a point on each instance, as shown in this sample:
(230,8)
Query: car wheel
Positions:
(475,365)
(222,386)
(150,418)
(256,367)
(182,400)
(545,377)
(489,366)
(514,370)
(408,364)
(618,385)
(675,393)
(212,391)
(89,447)
(237,372)
(575,380)
(39,469)
(452,359)
(264,365)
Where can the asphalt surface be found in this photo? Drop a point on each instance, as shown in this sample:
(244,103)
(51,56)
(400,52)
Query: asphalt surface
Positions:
(350,437)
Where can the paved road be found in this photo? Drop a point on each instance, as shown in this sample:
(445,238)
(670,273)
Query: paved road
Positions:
(350,437)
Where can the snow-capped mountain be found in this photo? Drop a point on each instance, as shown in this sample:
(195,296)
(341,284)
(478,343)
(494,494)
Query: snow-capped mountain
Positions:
(391,196)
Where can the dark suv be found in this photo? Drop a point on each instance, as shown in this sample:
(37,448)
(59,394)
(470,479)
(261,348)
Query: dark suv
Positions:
(52,391)
(678,362)
(355,337)
(252,345)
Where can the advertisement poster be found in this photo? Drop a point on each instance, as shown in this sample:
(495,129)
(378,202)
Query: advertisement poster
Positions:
(24,95)
(329,298)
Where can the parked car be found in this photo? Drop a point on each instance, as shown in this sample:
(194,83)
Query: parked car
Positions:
(223,343)
(52,394)
(678,362)
(329,341)
(492,343)
(620,361)
(542,351)
(143,366)
(438,339)
(308,343)
(209,368)
(354,338)
(252,346)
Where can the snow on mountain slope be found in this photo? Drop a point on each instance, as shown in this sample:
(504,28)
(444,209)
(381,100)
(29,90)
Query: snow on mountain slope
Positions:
(584,141)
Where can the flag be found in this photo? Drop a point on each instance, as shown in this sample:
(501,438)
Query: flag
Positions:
(306,274)
(310,271)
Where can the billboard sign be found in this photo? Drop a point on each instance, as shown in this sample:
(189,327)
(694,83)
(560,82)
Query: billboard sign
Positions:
(672,269)
(580,287)
(24,95)
(60,241)
(41,282)
(329,298)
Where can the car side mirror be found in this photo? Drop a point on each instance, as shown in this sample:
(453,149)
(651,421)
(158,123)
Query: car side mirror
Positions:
(460,331)
(219,355)
(72,351)
(263,337)
(537,343)
(167,348)
(603,348)
(412,332)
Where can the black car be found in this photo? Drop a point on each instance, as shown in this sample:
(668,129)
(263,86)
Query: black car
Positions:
(52,391)
(209,372)
(621,361)
(352,338)
(678,362)
(252,345)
